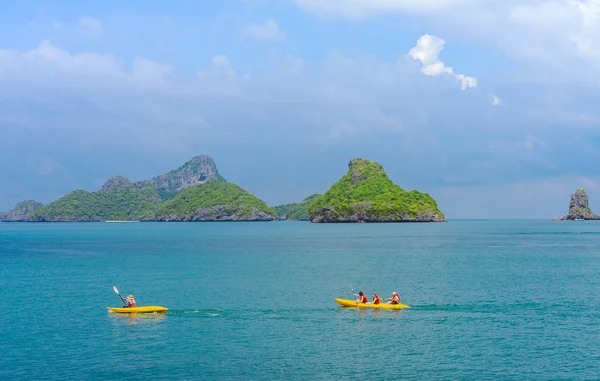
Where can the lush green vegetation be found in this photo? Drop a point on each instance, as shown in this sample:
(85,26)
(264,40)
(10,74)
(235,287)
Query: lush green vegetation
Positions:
(366,182)
(116,204)
(214,193)
(296,211)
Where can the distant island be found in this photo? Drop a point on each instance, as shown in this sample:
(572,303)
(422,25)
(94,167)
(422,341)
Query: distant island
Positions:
(193,192)
(579,208)
(295,211)
(196,191)
(366,194)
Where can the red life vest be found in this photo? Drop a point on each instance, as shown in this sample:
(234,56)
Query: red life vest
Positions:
(132,303)
(377,300)
(363,299)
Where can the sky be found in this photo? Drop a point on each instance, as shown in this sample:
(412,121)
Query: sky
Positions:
(490,106)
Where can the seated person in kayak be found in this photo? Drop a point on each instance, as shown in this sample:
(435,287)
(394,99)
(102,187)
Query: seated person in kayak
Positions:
(131,302)
(395,299)
(363,297)
(376,299)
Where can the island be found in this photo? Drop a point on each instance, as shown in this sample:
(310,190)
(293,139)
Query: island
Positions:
(193,192)
(295,211)
(579,209)
(21,211)
(366,194)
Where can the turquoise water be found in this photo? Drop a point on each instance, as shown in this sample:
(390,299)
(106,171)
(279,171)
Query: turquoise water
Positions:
(255,301)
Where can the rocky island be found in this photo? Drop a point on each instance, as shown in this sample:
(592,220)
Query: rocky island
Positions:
(366,194)
(579,208)
(193,192)
(21,211)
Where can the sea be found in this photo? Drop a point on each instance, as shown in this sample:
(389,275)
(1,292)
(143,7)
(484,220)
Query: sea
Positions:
(491,300)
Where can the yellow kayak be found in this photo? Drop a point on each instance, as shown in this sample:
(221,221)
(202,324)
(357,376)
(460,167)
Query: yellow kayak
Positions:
(138,310)
(385,306)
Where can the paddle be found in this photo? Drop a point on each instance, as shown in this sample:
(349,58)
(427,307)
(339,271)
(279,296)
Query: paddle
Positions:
(116,290)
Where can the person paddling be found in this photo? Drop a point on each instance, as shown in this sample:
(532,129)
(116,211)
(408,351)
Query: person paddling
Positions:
(131,302)
(376,299)
(395,299)
(363,297)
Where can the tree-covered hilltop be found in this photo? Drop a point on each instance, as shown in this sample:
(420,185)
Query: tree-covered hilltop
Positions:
(366,194)
(111,203)
(215,201)
(295,211)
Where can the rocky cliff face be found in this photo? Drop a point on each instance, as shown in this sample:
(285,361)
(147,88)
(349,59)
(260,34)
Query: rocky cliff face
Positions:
(198,170)
(579,208)
(22,211)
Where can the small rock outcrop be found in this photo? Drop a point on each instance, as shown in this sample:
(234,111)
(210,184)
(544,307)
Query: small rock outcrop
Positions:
(579,208)
(366,194)
(22,211)
(117,182)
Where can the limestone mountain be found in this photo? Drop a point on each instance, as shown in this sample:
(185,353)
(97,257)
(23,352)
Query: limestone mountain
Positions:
(366,194)
(579,208)
(22,211)
(183,194)
(198,170)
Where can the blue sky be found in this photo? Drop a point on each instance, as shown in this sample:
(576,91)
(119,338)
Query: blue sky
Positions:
(489,106)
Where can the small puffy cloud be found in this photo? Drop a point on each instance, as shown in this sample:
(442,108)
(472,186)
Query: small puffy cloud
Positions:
(269,30)
(495,100)
(222,67)
(531,141)
(90,26)
(427,51)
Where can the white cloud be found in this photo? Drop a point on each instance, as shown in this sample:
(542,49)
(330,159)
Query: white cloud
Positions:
(357,9)
(531,141)
(559,39)
(268,31)
(495,100)
(90,26)
(220,68)
(47,60)
(427,51)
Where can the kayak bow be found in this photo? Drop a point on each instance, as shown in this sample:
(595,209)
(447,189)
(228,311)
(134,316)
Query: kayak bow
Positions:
(385,306)
(139,310)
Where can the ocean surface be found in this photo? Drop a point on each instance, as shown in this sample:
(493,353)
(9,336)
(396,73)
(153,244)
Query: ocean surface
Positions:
(491,299)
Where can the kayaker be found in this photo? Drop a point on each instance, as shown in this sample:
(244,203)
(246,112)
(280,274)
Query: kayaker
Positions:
(395,299)
(363,297)
(376,299)
(131,302)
